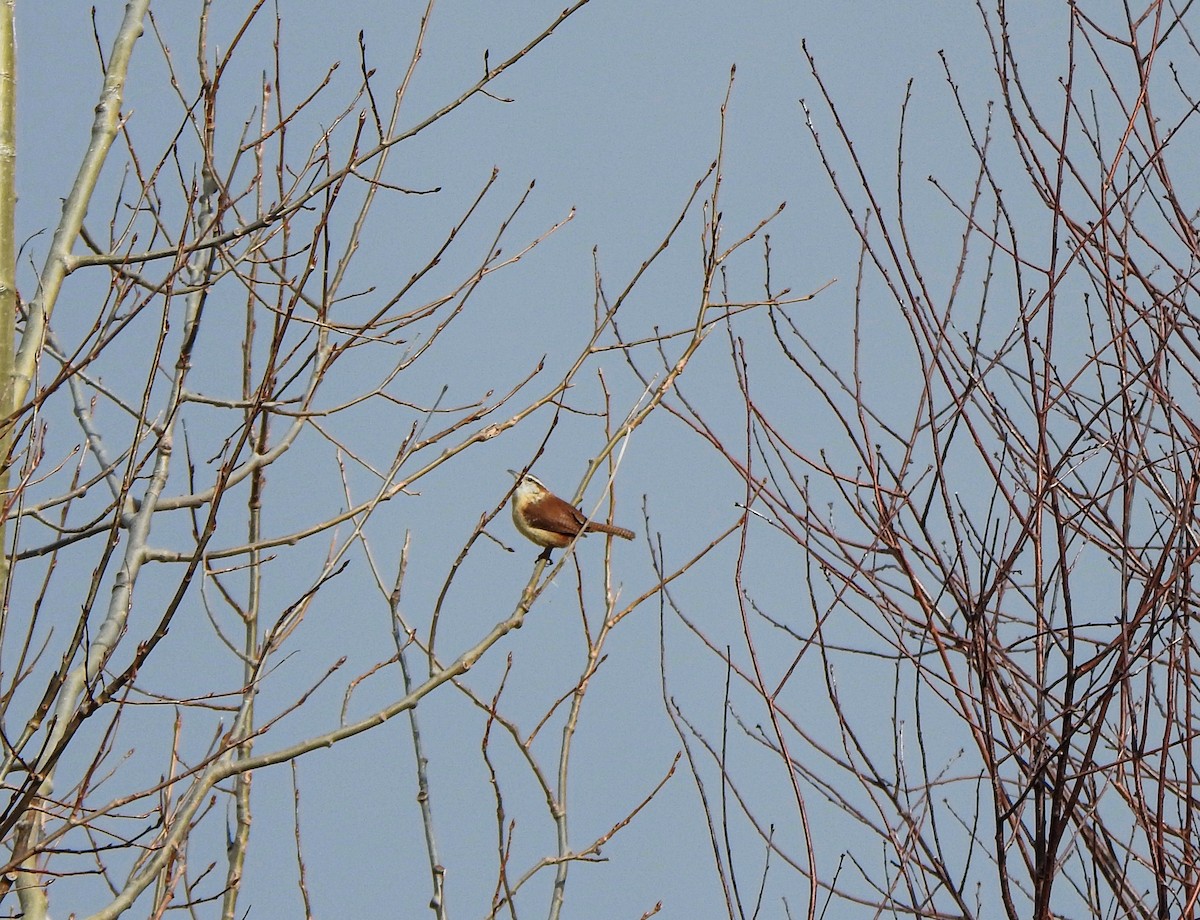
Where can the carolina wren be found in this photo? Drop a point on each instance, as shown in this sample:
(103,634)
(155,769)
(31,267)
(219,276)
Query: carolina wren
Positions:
(550,522)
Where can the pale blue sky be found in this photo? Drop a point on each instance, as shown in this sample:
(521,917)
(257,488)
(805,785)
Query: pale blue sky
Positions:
(616,116)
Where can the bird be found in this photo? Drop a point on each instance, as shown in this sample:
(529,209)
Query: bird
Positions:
(547,520)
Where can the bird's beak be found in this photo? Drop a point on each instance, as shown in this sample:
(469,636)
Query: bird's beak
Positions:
(514,474)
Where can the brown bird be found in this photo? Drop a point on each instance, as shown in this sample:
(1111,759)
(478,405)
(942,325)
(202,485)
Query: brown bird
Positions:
(550,522)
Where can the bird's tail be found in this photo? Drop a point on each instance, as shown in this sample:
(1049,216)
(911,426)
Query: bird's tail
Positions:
(621,532)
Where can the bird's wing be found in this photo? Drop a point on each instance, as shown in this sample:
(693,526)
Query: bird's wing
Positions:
(553,524)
